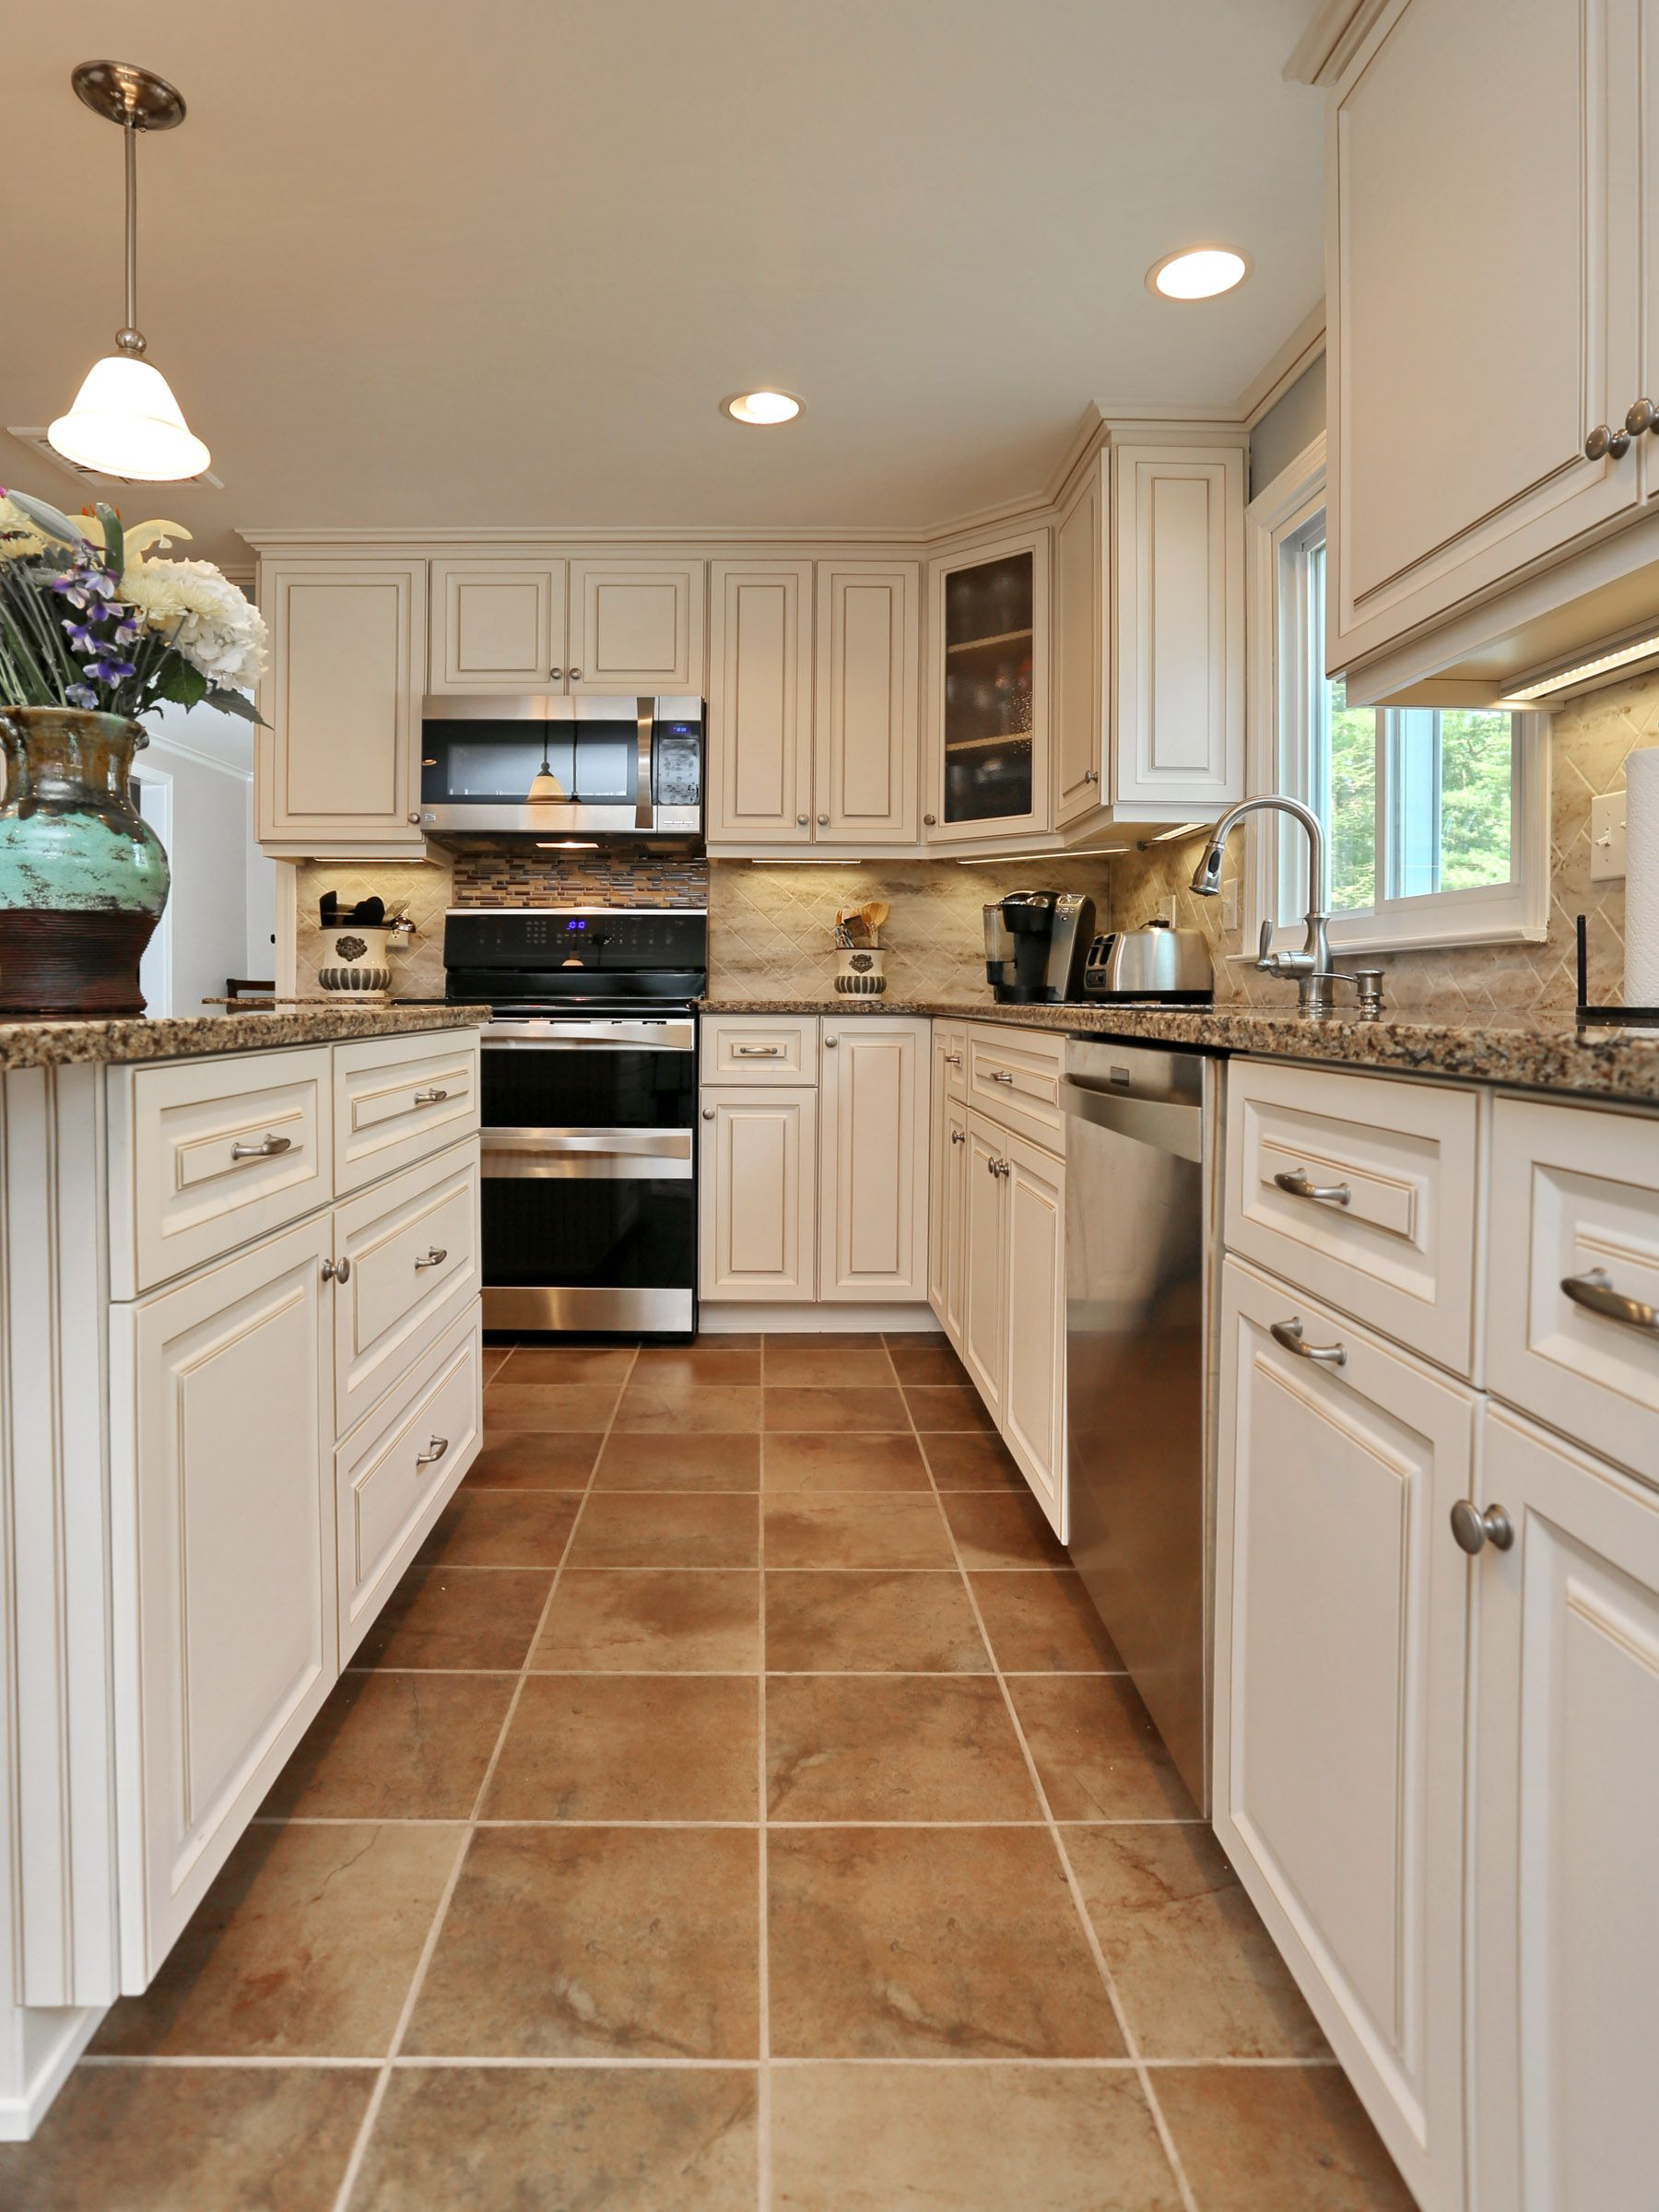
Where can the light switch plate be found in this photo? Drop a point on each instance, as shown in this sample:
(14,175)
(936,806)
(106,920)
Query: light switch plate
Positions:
(1608,837)
(1230,905)
(1168,909)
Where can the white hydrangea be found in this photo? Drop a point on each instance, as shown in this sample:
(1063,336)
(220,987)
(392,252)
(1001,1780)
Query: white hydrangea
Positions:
(215,628)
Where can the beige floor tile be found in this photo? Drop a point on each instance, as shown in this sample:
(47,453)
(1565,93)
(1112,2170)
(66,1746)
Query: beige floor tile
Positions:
(869,1621)
(304,1947)
(682,1622)
(668,1407)
(493,1359)
(827,1360)
(642,1530)
(543,1364)
(526,1460)
(1098,1755)
(929,1943)
(709,1360)
(465,1617)
(501,1528)
(1001,1532)
(965,2139)
(1197,1973)
(651,1461)
(392,1746)
(893,1748)
(191,2139)
(947,1406)
(926,1359)
(966,1459)
(629,1747)
(842,1463)
(818,1410)
(1045,1624)
(597,1943)
(581,2139)
(841,1340)
(559,1407)
(1278,2139)
(855,1531)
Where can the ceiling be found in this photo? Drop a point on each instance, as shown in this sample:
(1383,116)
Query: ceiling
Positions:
(497,263)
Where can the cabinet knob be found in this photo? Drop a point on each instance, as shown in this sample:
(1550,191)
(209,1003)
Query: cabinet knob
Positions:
(1475,1530)
(823,821)
(803,821)
(557,674)
(337,1271)
(575,676)
(958,1136)
(415,816)
(1604,441)
(708,1113)
(1091,775)
(931,820)
(1644,416)
(830,1043)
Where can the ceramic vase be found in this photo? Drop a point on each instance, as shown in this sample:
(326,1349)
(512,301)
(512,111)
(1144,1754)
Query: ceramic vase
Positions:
(356,963)
(860,973)
(83,876)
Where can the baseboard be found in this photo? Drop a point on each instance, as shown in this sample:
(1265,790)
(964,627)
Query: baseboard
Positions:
(62,2034)
(731,1320)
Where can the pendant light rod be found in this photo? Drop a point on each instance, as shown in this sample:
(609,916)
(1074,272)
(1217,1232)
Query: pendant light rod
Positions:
(130,338)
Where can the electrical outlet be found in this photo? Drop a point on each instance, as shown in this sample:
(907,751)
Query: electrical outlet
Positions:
(1168,909)
(1608,837)
(1230,905)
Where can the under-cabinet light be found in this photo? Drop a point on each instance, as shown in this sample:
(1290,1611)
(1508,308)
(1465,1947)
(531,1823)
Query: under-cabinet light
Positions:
(1583,672)
(1012,860)
(567,844)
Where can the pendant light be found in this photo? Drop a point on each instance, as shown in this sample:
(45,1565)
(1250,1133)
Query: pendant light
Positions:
(125,421)
(545,786)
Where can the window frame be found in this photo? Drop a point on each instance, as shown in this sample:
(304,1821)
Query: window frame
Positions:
(1285,641)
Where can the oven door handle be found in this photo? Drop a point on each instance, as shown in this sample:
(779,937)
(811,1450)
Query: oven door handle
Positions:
(649,1036)
(616,1144)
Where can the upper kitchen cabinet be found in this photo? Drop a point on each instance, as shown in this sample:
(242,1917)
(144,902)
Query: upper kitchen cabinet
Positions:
(575,626)
(1082,646)
(338,767)
(1484,277)
(866,729)
(760,700)
(988,627)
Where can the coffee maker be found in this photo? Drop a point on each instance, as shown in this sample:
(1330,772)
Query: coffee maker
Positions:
(1035,946)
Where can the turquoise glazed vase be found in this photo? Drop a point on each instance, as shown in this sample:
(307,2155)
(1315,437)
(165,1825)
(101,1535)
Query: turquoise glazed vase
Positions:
(83,876)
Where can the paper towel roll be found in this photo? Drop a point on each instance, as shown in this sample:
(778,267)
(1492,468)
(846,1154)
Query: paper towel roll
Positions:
(1642,879)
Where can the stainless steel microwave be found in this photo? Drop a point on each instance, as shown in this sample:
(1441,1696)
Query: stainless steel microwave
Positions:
(591,768)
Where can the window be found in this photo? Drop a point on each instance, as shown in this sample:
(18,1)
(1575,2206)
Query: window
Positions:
(1435,816)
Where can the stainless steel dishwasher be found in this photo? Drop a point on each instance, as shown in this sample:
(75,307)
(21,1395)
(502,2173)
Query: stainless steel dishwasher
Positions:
(1141,1218)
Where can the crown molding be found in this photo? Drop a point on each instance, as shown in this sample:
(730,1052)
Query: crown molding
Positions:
(1331,40)
(1276,376)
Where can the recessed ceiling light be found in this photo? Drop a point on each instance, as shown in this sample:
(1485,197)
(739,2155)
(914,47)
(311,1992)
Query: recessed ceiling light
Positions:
(1198,272)
(762,406)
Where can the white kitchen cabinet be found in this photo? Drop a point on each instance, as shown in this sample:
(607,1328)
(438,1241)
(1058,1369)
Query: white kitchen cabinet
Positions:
(1082,649)
(866,738)
(873,1166)
(758,1192)
(1033,1409)
(984,1347)
(337,769)
(636,626)
(405,1254)
(1341,1611)
(223,1553)
(498,626)
(945,1159)
(760,700)
(1566,1782)
(988,690)
(1458,455)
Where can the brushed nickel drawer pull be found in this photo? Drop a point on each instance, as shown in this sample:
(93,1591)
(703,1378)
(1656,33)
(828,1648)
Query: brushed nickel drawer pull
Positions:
(434,1256)
(337,1271)
(1594,1290)
(1002,1074)
(1295,1181)
(953,1059)
(758,1052)
(267,1149)
(1289,1333)
(436,1448)
(430,1098)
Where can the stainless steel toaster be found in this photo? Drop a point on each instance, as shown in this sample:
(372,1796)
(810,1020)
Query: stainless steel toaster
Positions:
(1156,962)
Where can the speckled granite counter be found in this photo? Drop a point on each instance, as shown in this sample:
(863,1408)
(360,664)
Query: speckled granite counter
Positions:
(64,1043)
(1533,1053)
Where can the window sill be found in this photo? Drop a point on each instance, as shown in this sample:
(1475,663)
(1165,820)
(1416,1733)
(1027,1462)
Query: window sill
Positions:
(1437,936)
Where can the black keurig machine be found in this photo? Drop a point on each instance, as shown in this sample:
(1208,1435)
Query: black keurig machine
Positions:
(1035,946)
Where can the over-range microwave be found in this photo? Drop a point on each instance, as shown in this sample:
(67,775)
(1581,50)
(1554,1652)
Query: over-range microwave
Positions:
(611,769)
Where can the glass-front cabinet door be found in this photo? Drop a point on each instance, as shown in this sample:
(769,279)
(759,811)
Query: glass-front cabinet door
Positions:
(989,692)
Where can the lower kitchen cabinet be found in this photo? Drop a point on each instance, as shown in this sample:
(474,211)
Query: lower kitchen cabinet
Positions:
(1565,1780)
(984,1347)
(1033,1413)
(222,1536)
(1341,1612)
(873,1160)
(758,1192)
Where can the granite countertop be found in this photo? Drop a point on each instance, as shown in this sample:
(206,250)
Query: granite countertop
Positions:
(238,1030)
(1534,1052)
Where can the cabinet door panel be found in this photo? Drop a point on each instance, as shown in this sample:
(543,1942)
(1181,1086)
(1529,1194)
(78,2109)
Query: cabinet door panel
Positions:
(954,1282)
(760,701)
(873,1166)
(1341,1606)
(866,723)
(637,625)
(984,1332)
(339,768)
(1033,1412)
(222,1532)
(1081,650)
(1566,1778)
(1443,213)
(988,690)
(757,1193)
(498,626)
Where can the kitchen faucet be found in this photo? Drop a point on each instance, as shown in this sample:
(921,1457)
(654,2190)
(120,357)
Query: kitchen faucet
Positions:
(1315,977)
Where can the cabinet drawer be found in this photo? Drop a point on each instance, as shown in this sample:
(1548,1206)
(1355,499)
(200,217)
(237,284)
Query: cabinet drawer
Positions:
(398,1098)
(1580,1205)
(755,1048)
(950,1058)
(1363,1192)
(1015,1076)
(394,1475)
(210,1154)
(411,1249)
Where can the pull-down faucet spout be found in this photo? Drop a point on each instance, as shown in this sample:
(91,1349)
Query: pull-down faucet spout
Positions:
(1311,965)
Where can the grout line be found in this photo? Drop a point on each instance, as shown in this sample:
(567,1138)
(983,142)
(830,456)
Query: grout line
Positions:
(359,2150)
(419,2062)
(1131,2045)
(1036,1820)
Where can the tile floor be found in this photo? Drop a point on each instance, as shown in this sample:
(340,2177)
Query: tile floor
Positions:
(737,1807)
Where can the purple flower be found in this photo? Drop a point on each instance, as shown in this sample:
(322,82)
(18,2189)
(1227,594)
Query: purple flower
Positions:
(127,629)
(69,585)
(80,694)
(109,672)
(82,635)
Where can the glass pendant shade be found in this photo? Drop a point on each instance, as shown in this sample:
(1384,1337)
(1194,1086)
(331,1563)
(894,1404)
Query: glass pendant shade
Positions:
(545,786)
(125,422)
